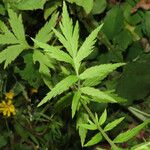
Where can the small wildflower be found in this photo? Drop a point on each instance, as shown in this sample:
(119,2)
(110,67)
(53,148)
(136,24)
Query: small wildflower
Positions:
(7,108)
(9,95)
(33,90)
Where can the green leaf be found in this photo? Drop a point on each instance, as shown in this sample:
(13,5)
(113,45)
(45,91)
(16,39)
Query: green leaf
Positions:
(113,22)
(45,33)
(86,4)
(133,88)
(82,118)
(100,71)
(146,23)
(89,126)
(30,4)
(30,72)
(60,88)
(87,46)
(99,6)
(143,146)
(75,102)
(45,63)
(123,137)
(7,37)
(17,27)
(10,54)
(54,52)
(103,117)
(102,96)
(70,35)
(113,124)
(3,141)
(94,140)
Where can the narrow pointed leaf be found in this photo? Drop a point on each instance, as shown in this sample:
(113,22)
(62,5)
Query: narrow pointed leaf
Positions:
(10,54)
(123,137)
(113,124)
(17,26)
(88,45)
(45,33)
(7,37)
(82,118)
(94,140)
(100,71)
(89,126)
(103,97)
(66,26)
(54,52)
(60,88)
(103,117)
(75,102)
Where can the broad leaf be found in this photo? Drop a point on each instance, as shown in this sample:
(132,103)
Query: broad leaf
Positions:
(123,137)
(86,4)
(75,102)
(30,4)
(60,88)
(100,71)
(45,33)
(30,72)
(102,96)
(113,124)
(94,140)
(103,117)
(113,22)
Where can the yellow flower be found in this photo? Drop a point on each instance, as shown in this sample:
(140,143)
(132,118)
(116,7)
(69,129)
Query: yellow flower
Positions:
(7,108)
(33,90)
(9,95)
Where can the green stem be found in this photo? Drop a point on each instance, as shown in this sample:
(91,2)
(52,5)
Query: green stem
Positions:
(99,127)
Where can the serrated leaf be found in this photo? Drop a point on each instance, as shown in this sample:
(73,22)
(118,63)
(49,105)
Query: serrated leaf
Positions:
(102,96)
(113,124)
(7,37)
(123,137)
(10,54)
(69,37)
(54,52)
(45,63)
(30,4)
(94,140)
(17,27)
(87,46)
(89,126)
(103,118)
(45,33)
(75,102)
(60,88)
(100,71)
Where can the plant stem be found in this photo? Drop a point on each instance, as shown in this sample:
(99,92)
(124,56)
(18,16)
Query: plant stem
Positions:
(99,127)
